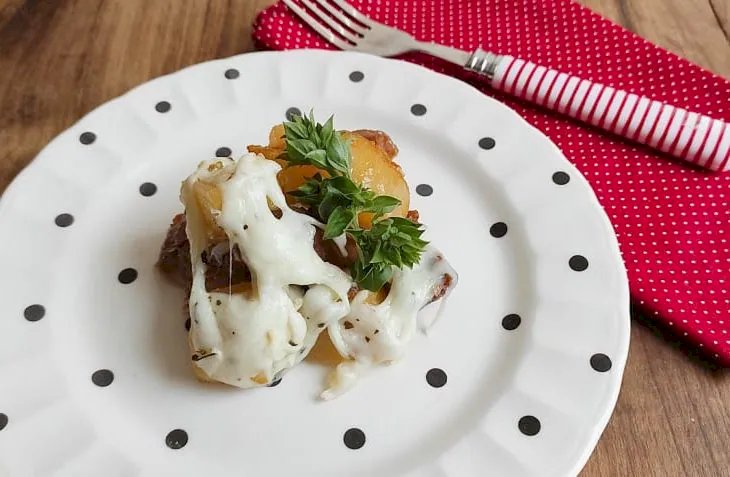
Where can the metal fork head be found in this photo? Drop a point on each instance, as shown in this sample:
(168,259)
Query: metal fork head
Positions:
(348,29)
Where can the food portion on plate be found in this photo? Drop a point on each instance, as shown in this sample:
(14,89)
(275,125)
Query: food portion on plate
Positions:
(310,233)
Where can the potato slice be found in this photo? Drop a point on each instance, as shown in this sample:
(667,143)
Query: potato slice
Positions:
(243,288)
(276,137)
(270,153)
(379,296)
(209,200)
(290,178)
(373,169)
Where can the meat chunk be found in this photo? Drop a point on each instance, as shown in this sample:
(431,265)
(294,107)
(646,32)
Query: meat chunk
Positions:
(413,215)
(381,140)
(174,257)
(225,265)
(442,288)
(330,252)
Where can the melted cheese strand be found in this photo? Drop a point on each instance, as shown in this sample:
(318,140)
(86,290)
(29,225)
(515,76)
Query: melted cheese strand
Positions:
(250,339)
(244,339)
(373,334)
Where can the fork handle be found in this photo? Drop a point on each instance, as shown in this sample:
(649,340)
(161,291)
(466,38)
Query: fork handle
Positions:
(694,137)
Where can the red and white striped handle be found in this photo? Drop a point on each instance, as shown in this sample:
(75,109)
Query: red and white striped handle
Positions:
(690,136)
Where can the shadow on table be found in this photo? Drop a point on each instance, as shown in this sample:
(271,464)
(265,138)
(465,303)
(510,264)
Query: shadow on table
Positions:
(670,337)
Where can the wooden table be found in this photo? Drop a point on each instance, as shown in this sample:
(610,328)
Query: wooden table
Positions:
(60,59)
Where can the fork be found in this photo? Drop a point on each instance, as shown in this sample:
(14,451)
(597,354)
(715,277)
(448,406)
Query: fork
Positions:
(696,138)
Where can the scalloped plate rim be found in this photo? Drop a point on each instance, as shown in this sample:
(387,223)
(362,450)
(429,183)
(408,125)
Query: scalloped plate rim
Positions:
(618,360)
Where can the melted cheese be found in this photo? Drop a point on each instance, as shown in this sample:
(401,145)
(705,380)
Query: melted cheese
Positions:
(249,339)
(244,339)
(373,334)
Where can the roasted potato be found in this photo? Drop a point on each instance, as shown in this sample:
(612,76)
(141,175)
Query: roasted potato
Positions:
(372,167)
(209,200)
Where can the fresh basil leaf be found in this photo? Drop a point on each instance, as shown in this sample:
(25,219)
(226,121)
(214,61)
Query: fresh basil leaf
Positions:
(378,255)
(338,200)
(375,276)
(344,185)
(295,129)
(328,130)
(338,221)
(339,154)
(384,203)
(317,157)
(326,206)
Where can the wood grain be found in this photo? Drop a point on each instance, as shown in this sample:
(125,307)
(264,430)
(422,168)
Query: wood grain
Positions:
(694,29)
(60,59)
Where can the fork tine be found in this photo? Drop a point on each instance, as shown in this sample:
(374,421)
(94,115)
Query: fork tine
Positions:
(347,21)
(354,13)
(329,21)
(316,26)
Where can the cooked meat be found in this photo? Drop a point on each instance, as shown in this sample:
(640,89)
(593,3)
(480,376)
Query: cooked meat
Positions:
(442,288)
(381,140)
(352,292)
(330,252)
(174,257)
(174,260)
(413,215)
(225,265)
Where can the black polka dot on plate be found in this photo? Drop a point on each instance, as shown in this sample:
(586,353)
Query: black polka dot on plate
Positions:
(498,230)
(291,112)
(3,421)
(356,76)
(147,189)
(600,362)
(354,438)
(561,178)
(232,73)
(424,190)
(487,143)
(436,377)
(275,382)
(87,138)
(223,152)
(176,439)
(162,107)
(529,425)
(127,276)
(64,220)
(418,109)
(511,321)
(102,378)
(34,312)
(578,263)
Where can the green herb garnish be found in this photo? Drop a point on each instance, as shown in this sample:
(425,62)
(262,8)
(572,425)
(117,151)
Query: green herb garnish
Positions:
(337,200)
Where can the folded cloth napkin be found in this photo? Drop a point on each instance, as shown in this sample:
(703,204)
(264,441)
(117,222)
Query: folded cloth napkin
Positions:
(672,220)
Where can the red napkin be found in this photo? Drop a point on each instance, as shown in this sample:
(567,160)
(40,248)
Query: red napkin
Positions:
(672,221)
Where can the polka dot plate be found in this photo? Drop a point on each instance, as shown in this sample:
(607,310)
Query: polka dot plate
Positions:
(517,377)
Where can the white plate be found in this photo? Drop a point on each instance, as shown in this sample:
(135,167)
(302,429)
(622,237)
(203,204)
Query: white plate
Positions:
(549,374)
